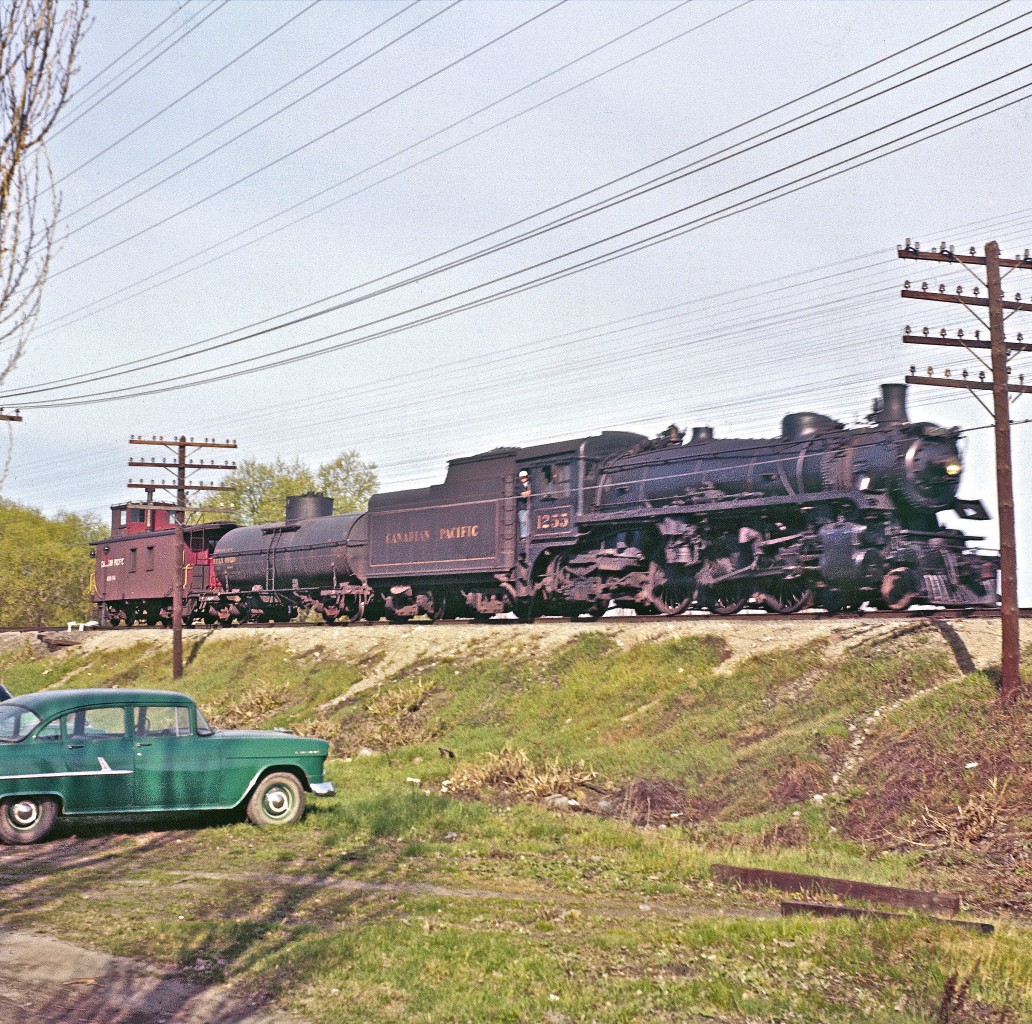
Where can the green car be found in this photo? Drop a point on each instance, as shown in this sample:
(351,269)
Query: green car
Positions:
(79,752)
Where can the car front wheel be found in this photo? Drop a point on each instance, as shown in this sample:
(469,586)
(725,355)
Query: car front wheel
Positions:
(26,819)
(279,799)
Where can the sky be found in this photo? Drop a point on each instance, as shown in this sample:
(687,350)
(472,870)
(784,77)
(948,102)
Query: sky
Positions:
(436,228)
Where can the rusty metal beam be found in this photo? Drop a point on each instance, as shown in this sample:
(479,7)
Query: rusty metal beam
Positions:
(790,881)
(789,908)
(949,257)
(923,339)
(963,300)
(967,385)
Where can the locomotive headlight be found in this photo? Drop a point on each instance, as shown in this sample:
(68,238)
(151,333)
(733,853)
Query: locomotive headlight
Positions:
(952,467)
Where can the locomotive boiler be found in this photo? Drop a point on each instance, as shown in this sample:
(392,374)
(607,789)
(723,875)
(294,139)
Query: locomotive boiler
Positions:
(822,514)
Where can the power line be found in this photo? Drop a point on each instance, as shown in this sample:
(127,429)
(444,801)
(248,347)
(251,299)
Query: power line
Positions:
(65,319)
(147,362)
(671,156)
(257,103)
(200,85)
(750,202)
(311,142)
(84,86)
(77,113)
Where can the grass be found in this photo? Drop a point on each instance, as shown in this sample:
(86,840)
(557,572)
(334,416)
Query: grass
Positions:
(542,916)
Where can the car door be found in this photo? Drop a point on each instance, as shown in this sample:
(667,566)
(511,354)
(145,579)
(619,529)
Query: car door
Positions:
(175,768)
(98,760)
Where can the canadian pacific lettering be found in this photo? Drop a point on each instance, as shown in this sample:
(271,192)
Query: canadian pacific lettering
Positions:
(458,532)
(408,537)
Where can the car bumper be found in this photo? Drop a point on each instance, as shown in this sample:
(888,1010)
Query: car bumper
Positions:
(323,788)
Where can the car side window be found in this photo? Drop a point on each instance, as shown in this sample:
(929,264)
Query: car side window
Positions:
(95,724)
(163,721)
(50,731)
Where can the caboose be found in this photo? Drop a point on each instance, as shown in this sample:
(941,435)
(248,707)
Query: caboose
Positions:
(133,568)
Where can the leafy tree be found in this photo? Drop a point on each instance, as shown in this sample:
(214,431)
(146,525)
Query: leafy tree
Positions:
(39,46)
(261,489)
(349,481)
(45,565)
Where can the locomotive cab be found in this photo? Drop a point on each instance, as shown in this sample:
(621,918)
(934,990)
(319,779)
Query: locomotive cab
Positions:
(564,482)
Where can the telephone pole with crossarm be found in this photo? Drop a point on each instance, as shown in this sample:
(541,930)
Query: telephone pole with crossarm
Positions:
(185,449)
(1001,352)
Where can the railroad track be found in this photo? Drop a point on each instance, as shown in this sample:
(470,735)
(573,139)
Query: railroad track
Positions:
(932,614)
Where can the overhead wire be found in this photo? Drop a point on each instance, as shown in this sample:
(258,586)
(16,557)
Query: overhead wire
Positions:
(316,139)
(63,320)
(751,202)
(308,94)
(143,363)
(83,87)
(189,92)
(712,137)
(76,114)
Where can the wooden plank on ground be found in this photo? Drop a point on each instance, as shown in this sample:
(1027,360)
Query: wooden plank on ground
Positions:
(790,881)
(791,907)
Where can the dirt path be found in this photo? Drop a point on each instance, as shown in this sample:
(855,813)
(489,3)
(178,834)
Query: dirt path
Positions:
(46,980)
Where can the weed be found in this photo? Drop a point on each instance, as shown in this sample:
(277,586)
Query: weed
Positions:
(511,773)
(648,802)
(249,709)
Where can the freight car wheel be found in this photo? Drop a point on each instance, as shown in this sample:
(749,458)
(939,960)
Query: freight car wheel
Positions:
(787,596)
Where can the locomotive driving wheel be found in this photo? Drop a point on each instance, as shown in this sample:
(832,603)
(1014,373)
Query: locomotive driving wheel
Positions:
(728,598)
(670,591)
(785,596)
(899,588)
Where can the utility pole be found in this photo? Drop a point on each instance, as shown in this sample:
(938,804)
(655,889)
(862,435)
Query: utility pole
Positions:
(183,464)
(1000,353)
(14,417)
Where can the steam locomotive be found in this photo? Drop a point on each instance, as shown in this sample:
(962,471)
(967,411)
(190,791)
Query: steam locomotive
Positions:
(822,515)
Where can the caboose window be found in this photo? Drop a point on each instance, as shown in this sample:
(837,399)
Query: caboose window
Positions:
(197,542)
(150,558)
(132,559)
(136,515)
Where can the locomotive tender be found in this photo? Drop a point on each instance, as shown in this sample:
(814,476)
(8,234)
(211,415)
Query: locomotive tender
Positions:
(822,515)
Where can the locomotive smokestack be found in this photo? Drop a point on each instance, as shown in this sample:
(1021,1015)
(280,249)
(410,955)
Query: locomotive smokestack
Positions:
(892,409)
(701,434)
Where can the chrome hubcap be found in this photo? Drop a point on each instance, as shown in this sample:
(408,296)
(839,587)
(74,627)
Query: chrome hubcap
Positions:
(24,814)
(277,801)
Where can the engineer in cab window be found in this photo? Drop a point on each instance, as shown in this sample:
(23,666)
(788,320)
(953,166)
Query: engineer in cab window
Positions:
(523,499)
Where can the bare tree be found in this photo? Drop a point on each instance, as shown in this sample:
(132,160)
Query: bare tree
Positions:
(39,45)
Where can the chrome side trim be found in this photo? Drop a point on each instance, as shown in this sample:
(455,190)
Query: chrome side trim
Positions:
(67,775)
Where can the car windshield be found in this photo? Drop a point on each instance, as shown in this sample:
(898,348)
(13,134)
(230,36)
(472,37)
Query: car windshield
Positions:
(16,722)
(203,729)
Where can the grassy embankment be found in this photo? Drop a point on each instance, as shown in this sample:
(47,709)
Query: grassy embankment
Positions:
(536,915)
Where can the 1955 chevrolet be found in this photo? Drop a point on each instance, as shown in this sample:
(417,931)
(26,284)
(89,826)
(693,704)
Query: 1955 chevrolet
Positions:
(76,752)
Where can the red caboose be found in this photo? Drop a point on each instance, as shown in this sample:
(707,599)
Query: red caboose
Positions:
(132,575)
